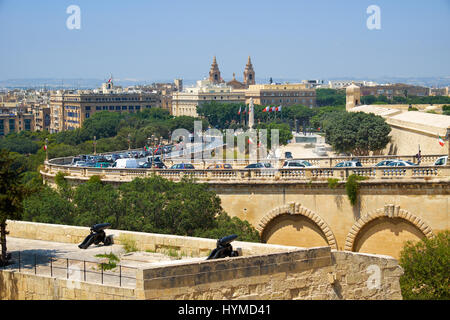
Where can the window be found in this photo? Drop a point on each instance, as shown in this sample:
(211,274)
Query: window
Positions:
(124,107)
(12,125)
(98,108)
(130,108)
(87,115)
(88,108)
(105,107)
(27,124)
(2,128)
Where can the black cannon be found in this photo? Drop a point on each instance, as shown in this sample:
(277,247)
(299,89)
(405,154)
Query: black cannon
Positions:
(96,236)
(224,248)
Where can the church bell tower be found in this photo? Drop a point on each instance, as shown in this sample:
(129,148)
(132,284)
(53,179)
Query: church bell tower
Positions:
(249,73)
(214,73)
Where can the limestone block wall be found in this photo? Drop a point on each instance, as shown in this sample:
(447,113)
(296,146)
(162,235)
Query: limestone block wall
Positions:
(315,273)
(25,286)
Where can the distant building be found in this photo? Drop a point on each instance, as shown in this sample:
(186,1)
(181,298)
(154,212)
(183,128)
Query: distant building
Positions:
(281,94)
(69,109)
(440,92)
(15,119)
(395,90)
(185,103)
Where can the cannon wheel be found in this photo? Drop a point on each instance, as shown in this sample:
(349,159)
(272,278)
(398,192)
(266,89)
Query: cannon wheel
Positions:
(108,241)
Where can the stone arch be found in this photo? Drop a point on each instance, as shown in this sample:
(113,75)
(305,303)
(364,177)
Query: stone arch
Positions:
(294,208)
(389,211)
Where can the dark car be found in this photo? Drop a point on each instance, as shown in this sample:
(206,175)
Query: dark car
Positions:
(255,166)
(182,166)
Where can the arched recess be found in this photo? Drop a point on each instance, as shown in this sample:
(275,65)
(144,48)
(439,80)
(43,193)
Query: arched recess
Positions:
(389,211)
(294,208)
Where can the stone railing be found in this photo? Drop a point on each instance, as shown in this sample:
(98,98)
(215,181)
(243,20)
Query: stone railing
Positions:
(250,175)
(323,162)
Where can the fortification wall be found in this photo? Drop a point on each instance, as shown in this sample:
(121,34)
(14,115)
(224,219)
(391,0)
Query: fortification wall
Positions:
(263,272)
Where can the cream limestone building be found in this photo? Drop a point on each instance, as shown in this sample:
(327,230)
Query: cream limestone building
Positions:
(69,109)
(281,94)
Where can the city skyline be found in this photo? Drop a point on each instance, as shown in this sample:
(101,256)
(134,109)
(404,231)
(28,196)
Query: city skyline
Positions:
(149,41)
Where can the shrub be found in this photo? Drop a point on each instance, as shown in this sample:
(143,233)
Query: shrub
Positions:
(128,243)
(332,183)
(426,270)
(352,187)
(112,260)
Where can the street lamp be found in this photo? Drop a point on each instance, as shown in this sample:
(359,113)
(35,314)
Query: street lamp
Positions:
(95,145)
(129,141)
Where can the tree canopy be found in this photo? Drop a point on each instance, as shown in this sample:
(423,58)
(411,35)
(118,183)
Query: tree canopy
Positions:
(152,204)
(357,133)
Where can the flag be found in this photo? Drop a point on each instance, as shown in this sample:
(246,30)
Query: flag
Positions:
(273,109)
(45,147)
(266,109)
(441,141)
(145,148)
(250,141)
(278,108)
(245,110)
(239,112)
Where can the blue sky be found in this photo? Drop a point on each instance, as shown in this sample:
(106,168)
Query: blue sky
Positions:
(156,39)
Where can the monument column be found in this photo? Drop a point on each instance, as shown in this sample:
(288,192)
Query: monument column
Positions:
(251,114)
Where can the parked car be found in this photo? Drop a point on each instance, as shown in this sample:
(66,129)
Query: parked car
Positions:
(297,164)
(80,164)
(126,163)
(384,163)
(257,165)
(401,163)
(349,164)
(293,165)
(102,165)
(441,161)
(222,166)
(182,166)
(159,165)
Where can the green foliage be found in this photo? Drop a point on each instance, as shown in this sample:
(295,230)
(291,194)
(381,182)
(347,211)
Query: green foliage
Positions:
(426,268)
(356,132)
(333,183)
(352,187)
(11,195)
(112,260)
(330,97)
(410,108)
(153,204)
(446,110)
(284,132)
(128,243)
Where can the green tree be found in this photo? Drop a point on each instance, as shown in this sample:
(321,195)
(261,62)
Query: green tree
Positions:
(11,195)
(357,133)
(426,270)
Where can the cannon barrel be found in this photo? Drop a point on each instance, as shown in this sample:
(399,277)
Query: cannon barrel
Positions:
(226,240)
(100,227)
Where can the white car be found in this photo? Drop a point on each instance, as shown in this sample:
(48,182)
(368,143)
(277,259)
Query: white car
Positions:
(401,163)
(290,164)
(126,163)
(441,161)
